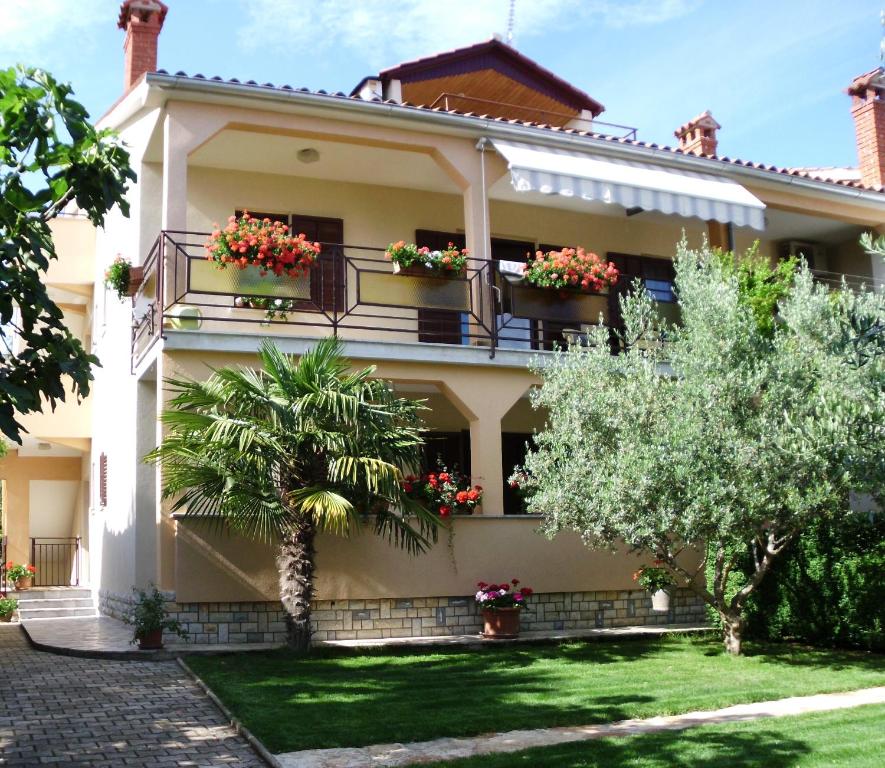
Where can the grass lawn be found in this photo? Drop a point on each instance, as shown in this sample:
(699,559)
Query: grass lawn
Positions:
(335,698)
(853,738)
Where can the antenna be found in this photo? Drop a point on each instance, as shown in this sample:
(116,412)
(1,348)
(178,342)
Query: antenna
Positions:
(881,45)
(511,20)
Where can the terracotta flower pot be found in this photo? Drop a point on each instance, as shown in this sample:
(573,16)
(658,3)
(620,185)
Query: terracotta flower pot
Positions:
(25,582)
(5,617)
(660,601)
(151,641)
(501,623)
(136,278)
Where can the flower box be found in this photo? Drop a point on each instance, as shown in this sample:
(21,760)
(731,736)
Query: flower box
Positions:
(501,623)
(419,270)
(570,271)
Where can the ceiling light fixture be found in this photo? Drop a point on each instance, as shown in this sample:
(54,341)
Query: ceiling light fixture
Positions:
(308,155)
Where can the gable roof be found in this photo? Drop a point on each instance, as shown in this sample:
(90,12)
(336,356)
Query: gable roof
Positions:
(496,55)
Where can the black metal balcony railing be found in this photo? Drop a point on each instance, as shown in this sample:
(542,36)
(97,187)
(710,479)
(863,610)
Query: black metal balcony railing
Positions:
(350,292)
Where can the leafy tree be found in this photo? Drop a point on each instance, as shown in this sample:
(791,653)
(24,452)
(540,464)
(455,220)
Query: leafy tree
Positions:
(49,156)
(296,447)
(725,435)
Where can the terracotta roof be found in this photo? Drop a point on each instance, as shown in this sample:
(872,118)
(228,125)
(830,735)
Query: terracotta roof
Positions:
(713,159)
(485,53)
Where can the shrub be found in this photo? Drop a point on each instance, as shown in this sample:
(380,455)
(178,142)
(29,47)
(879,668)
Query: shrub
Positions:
(829,589)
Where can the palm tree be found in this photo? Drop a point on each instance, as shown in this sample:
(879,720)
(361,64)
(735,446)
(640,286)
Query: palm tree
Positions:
(282,452)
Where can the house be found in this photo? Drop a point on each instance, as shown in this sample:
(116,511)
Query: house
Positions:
(480,147)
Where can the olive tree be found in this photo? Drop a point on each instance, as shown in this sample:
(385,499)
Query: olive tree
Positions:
(719,435)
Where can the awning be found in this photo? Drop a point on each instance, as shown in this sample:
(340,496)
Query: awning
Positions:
(630,183)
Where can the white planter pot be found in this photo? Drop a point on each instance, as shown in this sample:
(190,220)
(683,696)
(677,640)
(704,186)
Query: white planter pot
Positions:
(660,601)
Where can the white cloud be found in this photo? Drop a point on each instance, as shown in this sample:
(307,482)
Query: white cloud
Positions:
(41,31)
(388,30)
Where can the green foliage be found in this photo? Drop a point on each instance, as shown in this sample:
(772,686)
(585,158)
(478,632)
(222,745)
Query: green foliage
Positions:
(117,276)
(761,286)
(829,587)
(263,450)
(729,432)
(148,614)
(50,156)
(8,606)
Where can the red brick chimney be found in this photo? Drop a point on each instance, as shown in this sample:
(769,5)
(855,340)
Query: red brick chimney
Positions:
(142,20)
(698,135)
(868,110)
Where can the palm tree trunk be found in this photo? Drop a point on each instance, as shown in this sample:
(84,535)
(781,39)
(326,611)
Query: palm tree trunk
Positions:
(296,566)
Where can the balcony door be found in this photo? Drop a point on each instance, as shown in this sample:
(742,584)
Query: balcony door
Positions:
(657,276)
(327,289)
(440,326)
(517,332)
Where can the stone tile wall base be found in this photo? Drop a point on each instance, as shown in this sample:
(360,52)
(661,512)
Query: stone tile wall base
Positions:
(264,622)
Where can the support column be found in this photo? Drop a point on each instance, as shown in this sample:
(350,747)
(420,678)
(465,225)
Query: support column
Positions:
(485,403)
(877,263)
(175,151)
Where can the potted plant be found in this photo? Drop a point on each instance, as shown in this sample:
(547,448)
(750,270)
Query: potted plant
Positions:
(447,492)
(266,245)
(22,576)
(8,606)
(570,270)
(409,259)
(149,618)
(501,605)
(659,582)
(122,278)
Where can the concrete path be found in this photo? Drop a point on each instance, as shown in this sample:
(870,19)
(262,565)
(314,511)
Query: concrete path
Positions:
(103,637)
(389,755)
(100,713)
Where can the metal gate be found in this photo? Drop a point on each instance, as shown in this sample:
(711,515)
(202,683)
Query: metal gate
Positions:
(57,561)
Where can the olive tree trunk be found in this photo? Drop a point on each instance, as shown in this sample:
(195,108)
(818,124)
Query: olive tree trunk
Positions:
(296,565)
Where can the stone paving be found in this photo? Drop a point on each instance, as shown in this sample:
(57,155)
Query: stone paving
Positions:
(63,711)
(103,636)
(395,755)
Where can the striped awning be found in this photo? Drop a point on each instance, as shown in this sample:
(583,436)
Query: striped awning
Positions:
(630,183)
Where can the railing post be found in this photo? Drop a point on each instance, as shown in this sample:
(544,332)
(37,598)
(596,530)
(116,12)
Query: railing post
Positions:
(77,563)
(34,554)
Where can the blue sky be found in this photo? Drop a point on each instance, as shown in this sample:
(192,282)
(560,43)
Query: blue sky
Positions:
(772,72)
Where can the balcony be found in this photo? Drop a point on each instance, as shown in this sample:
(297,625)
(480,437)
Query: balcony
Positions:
(352,293)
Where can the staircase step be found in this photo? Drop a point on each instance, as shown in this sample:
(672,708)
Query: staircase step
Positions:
(29,614)
(56,602)
(49,593)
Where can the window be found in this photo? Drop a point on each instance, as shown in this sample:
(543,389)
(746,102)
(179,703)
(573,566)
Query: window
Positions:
(452,448)
(661,290)
(442,326)
(514,446)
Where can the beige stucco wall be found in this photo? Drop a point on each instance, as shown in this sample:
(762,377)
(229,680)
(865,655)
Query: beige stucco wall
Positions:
(214,565)
(18,474)
(74,239)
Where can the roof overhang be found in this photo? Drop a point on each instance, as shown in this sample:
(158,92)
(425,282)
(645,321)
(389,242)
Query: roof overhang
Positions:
(630,183)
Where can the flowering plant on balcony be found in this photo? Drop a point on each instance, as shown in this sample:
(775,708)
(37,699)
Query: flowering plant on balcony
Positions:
(504,595)
(570,269)
(447,492)
(17,572)
(450,260)
(653,577)
(122,278)
(263,243)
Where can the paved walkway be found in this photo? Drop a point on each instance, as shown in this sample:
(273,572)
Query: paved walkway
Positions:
(109,638)
(100,713)
(392,755)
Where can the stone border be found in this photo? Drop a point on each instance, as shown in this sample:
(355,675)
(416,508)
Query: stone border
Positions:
(238,727)
(383,618)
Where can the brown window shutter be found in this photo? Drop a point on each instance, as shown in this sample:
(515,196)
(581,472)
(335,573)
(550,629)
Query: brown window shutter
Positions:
(103,480)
